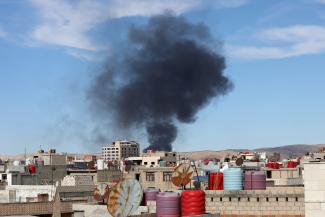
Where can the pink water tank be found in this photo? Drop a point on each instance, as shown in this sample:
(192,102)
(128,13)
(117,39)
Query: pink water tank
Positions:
(255,180)
(168,204)
(150,194)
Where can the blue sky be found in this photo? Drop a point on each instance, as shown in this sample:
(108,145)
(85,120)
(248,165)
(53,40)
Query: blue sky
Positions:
(275,53)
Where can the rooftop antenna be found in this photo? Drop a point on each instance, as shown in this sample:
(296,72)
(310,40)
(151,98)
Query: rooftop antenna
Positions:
(25,155)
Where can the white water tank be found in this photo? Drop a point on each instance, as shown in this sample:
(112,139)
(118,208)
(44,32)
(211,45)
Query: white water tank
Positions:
(100,164)
(28,161)
(16,163)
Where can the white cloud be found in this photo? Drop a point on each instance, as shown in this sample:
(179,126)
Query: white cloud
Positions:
(286,42)
(68,23)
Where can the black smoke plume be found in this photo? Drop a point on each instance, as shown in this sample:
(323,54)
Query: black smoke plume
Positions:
(167,73)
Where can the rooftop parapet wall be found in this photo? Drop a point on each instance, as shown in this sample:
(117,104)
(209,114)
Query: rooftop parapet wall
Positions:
(271,202)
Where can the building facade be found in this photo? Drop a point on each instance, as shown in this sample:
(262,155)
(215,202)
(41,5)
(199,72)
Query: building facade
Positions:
(120,150)
(314,178)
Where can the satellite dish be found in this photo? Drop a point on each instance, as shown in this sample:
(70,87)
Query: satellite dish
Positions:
(239,161)
(182,175)
(101,192)
(124,198)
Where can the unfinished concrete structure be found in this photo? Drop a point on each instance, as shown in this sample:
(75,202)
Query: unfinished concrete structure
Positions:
(314,177)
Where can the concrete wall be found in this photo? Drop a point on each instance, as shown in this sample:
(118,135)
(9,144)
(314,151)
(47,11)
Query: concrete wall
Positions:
(59,172)
(272,202)
(107,176)
(315,189)
(77,180)
(24,179)
(22,192)
(4,196)
(54,159)
(91,210)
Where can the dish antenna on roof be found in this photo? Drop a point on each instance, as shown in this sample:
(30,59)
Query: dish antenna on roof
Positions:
(239,161)
(124,198)
(182,175)
(101,192)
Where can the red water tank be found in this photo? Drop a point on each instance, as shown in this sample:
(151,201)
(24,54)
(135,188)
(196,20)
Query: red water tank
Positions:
(193,202)
(215,181)
(31,169)
(273,165)
(292,164)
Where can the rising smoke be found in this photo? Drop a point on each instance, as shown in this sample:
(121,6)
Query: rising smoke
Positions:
(166,75)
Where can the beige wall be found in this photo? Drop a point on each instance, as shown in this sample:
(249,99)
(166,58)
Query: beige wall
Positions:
(314,178)
(158,182)
(271,202)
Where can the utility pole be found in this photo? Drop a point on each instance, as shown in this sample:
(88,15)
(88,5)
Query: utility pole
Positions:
(25,155)
(51,167)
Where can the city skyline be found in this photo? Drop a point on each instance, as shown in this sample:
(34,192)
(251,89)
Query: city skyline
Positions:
(50,51)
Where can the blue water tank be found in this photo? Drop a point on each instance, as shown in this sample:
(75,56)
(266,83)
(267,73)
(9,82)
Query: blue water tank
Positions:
(233,179)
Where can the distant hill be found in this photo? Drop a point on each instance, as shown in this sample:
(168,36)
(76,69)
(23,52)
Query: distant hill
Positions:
(292,150)
(285,151)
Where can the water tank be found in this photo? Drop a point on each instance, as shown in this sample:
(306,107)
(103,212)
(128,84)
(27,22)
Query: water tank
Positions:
(232,178)
(215,181)
(28,161)
(39,162)
(273,165)
(150,194)
(255,180)
(193,202)
(16,163)
(100,164)
(31,168)
(292,164)
(168,204)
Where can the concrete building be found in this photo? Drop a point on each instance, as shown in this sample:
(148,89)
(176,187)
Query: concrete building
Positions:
(119,150)
(155,159)
(54,159)
(284,177)
(77,180)
(25,193)
(90,158)
(2,167)
(314,177)
(110,175)
(51,174)
(21,179)
(156,177)
(150,161)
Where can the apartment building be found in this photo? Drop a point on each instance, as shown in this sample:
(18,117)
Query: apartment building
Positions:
(120,150)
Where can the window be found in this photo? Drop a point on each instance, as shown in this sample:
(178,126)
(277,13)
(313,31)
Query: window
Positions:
(167,176)
(4,177)
(268,174)
(150,176)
